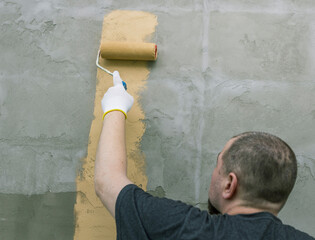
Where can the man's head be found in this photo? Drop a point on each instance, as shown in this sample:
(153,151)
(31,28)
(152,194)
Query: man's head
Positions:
(255,170)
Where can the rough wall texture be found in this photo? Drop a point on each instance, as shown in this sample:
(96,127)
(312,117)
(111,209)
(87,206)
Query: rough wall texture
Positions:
(224,67)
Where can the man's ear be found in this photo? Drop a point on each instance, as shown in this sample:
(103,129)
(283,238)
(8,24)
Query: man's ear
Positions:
(230,186)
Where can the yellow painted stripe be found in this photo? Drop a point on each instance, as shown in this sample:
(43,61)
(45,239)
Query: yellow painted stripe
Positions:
(92,219)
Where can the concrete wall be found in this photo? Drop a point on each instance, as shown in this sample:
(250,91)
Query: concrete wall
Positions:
(224,67)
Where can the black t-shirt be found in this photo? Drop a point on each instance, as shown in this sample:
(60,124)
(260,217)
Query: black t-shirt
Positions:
(139,216)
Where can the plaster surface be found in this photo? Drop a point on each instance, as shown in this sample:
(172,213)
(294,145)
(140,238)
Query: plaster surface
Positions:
(47,87)
(223,67)
(37,217)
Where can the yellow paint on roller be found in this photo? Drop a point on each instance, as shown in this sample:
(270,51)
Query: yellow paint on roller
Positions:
(92,219)
(129,51)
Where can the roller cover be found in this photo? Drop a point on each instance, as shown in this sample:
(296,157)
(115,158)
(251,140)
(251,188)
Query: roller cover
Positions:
(129,51)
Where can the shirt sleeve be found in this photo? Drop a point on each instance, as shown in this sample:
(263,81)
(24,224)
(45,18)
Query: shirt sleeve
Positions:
(139,215)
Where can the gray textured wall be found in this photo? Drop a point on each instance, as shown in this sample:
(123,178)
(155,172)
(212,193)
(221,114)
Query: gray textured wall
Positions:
(224,67)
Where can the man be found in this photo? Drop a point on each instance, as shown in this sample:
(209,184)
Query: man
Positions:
(253,178)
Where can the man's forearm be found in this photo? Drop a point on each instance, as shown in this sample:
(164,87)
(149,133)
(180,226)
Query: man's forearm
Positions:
(111,160)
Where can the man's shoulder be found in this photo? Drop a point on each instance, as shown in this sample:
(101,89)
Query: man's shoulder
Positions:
(268,224)
(294,233)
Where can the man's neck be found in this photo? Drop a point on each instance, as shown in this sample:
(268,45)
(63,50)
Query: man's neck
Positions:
(246,210)
(242,208)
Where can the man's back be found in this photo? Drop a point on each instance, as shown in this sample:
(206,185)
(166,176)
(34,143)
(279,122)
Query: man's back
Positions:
(142,216)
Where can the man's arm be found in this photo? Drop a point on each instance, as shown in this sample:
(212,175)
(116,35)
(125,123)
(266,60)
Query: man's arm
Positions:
(111,158)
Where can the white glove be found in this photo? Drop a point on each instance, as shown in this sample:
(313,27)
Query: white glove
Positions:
(117,98)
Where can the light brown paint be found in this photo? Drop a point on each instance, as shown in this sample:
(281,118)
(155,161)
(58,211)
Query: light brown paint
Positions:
(92,219)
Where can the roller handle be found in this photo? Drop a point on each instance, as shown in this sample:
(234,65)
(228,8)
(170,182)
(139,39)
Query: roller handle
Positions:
(106,70)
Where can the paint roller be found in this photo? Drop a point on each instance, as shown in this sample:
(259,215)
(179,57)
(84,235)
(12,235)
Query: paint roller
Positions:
(138,51)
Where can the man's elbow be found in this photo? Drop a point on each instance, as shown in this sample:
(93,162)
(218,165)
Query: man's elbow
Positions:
(104,194)
(105,186)
(102,180)
(99,186)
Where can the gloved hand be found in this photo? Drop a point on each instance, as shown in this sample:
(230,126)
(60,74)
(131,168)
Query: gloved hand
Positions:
(117,98)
